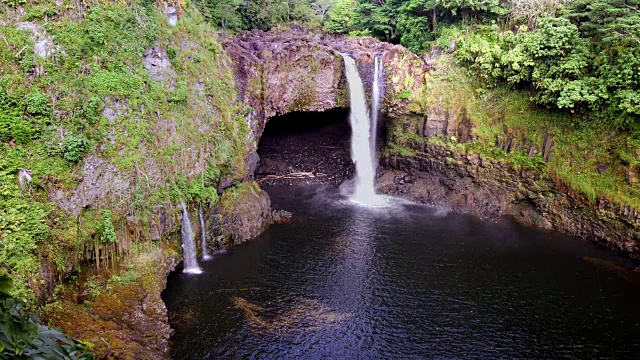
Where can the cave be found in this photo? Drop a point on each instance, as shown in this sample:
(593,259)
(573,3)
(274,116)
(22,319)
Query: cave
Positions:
(306,147)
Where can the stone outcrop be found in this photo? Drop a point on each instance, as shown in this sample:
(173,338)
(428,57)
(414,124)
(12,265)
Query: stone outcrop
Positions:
(468,183)
(157,63)
(43,43)
(241,214)
(294,69)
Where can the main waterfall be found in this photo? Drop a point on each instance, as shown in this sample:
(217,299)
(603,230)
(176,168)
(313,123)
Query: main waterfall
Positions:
(362,139)
(188,245)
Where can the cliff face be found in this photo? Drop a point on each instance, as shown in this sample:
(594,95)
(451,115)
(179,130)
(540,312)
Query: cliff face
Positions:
(491,158)
(293,69)
(287,70)
(470,183)
(179,119)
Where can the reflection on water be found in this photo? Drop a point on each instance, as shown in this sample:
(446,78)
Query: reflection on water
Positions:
(341,281)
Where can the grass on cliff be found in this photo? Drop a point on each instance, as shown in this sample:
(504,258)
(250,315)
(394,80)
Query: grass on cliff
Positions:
(171,140)
(587,155)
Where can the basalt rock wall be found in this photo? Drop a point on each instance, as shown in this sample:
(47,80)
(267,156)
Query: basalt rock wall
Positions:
(469,183)
(293,69)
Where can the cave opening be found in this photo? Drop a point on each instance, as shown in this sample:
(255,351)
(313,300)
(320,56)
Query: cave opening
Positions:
(306,147)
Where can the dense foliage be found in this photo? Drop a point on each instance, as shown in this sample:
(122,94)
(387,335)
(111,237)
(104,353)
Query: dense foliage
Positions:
(92,94)
(576,55)
(23,337)
(587,60)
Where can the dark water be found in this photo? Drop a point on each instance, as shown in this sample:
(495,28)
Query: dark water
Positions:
(405,283)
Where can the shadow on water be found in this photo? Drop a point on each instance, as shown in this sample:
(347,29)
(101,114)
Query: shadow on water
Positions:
(341,281)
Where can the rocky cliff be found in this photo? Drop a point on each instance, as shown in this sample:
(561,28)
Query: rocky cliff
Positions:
(293,69)
(470,183)
(485,157)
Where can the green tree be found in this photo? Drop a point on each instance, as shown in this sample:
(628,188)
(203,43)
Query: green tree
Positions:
(613,26)
(321,8)
(256,14)
(380,18)
(471,9)
(341,17)
(552,60)
(529,11)
(221,13)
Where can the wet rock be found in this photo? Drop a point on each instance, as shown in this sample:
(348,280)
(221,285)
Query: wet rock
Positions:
(114,108)
(490,189)
(273,167)
(124,321)
(251,160)
(317,152)
(101,183)
(295,69)
(241,214)
(436,121)
(171,13)
(44,46)
(24,178)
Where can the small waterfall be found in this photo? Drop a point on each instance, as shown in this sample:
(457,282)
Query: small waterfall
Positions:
(203,231)
(377,89)
(188,245)
(361,139)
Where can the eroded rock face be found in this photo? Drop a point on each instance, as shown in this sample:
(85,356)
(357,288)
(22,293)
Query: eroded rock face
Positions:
(129,320)
(157,62)
(241,214)
(294,69)
(101,182)
(43,43)
(468,183)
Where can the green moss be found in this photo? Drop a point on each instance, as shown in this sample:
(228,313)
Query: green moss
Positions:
(155,136)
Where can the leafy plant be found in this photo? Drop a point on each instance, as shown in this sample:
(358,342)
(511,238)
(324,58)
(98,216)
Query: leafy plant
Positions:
(38,103)
(23,337)
(108,231)
(74,147)
(404,94)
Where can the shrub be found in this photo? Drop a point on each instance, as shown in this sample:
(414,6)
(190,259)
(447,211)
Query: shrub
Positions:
(108,231)
(22,336)
(122,83)
(74,147)
(38,103)
(13,126)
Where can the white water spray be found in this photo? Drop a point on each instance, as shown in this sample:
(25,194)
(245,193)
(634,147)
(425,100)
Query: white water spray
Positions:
(203,232)
(188,245)
(361,138)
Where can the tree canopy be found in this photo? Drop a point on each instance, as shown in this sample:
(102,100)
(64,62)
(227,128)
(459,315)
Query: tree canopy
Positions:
(572,55)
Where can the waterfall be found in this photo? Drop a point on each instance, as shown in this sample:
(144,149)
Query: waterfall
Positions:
(203,231)
(188,245)
(377,88)
(361,139)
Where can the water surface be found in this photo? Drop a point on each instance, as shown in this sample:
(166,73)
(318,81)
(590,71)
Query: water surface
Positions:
(408,282)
